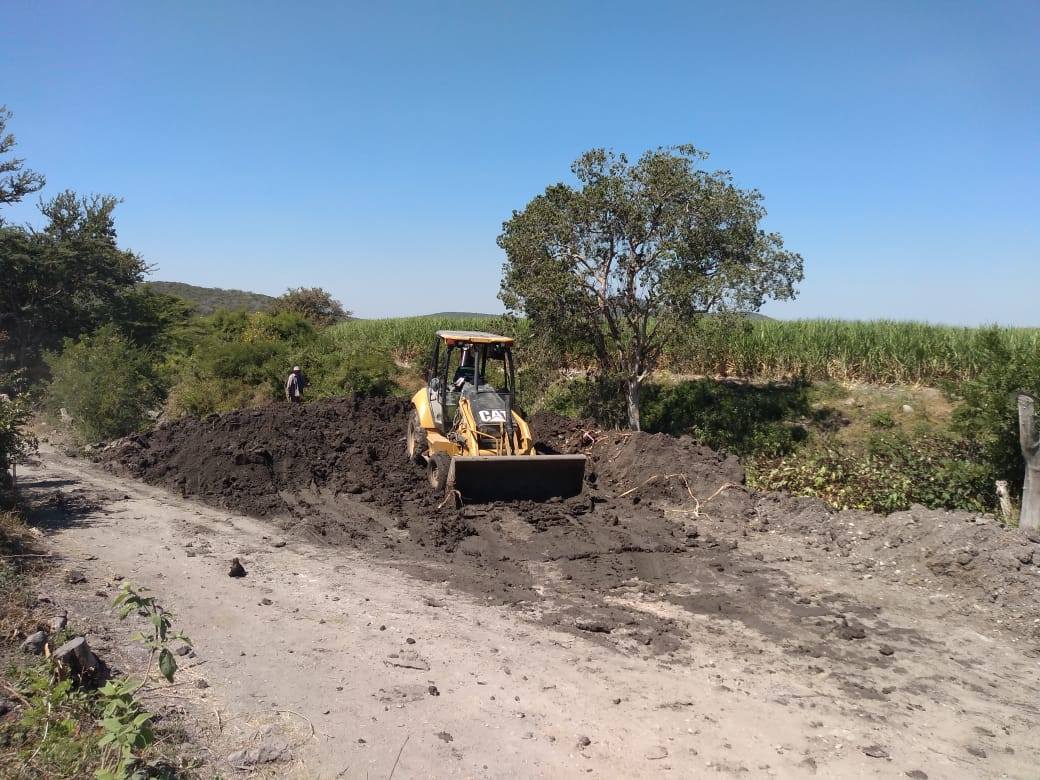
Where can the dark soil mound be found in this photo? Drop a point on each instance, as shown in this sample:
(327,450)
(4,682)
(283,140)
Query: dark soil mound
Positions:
(254,460)
(262,461)
(645,465)
(335,472)
(656,511)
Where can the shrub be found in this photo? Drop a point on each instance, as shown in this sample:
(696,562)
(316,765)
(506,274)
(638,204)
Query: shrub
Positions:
(740,418)
(345,370)
(283,326)
(598,398)
(233,367)
(892,473)
(988,411)
(314,304)
(882,420)
(16,442)
(105,383)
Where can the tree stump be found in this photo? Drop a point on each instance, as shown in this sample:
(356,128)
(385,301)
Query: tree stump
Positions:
(77,659)
(1029,519)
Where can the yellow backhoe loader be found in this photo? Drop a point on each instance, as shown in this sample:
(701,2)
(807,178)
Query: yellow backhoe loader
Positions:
(465,428)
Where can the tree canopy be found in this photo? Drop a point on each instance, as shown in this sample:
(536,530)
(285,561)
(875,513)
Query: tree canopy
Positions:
(16,181)
(71,277)
(635,252)
(314,304)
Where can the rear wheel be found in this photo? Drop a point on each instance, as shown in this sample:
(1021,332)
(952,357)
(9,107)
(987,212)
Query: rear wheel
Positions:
(416,441)
(437,471)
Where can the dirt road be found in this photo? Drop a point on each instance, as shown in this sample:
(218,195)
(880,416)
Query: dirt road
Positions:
(345,665)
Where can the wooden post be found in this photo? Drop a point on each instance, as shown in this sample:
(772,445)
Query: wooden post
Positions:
(1029,519)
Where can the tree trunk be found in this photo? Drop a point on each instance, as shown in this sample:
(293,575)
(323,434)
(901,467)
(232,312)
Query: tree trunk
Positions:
(1029,519)
(632,388)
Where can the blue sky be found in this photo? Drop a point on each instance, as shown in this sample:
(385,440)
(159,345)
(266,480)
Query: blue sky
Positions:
(375,149)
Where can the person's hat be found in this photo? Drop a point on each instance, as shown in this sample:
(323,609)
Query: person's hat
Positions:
(295,368)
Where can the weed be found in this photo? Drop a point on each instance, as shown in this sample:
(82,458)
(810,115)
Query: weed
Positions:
(131,600)
(882,420)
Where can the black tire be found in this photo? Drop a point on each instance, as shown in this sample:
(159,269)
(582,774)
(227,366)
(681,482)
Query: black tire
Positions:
(416,443)
(437,471)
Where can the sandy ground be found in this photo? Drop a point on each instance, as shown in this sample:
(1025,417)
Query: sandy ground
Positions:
(310,654)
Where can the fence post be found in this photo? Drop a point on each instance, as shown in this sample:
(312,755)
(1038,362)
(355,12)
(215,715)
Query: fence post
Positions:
(1029,520)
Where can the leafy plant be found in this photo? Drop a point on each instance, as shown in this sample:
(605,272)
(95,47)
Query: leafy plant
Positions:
(16,441)
(131,600)
(893,472)
(107,384)
(127,729)
(740,418)
(48,733)
(882,420)
(988,411)
(65,280)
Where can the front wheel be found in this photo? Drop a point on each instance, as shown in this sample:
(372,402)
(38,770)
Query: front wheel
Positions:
(437,468)
(416,445)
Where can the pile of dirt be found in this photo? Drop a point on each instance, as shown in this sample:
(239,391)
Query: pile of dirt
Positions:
(335,472)
(646,466)
(657,511)
(255,461)
(265,462)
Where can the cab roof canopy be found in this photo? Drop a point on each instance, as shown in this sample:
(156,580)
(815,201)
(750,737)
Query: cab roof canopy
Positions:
(472,337)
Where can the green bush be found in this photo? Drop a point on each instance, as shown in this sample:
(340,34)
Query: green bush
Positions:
(597,398)
(988,412)
(16,442)
(882,420)
(106,384)
(335,370)
(893,472)
(199,396)
(243,360)
(248,363)
(740,418)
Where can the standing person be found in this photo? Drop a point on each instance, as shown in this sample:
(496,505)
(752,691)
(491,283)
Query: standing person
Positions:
(294,386)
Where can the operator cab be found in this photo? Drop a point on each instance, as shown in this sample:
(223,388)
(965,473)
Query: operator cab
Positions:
(478,366)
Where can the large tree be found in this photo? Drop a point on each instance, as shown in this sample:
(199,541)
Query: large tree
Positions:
(67,279)
(636,252)
(16,181)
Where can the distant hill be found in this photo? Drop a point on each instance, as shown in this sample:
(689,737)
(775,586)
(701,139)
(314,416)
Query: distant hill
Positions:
(208,299)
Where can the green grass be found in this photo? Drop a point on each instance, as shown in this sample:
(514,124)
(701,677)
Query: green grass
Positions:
(407,338)
(880,351)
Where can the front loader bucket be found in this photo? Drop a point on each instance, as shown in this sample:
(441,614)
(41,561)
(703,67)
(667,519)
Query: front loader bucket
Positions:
(515,477)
